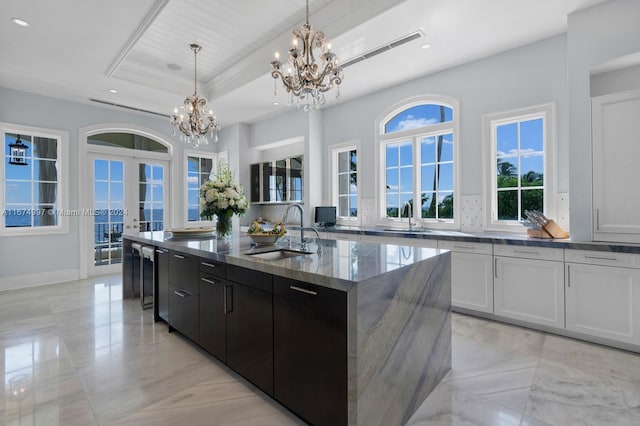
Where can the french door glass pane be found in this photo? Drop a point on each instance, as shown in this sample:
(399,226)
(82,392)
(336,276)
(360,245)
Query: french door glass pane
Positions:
(108,211)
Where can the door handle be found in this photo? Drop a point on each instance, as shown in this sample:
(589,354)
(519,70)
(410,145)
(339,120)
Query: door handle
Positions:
(228,299)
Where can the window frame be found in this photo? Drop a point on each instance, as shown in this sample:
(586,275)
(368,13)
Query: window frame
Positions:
(490,122)
(216,157)
(62,152)
(416,135)
(334,152)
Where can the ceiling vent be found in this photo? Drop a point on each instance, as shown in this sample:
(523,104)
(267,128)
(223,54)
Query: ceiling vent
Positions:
(128,107)
(388,46)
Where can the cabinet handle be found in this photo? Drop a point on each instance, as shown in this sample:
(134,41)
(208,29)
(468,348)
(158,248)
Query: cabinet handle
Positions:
(210,265)
(597,219)
(159,251)
(228,299)
(601,258)
(177,256)
(206,280)
(526,252)
(495,267)
(569,276)
(464,247)
(179,293)
(303,290)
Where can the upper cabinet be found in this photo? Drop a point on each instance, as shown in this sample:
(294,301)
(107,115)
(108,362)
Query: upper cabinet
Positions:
(278,181)
(616,150)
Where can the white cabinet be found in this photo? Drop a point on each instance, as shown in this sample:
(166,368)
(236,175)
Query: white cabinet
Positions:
(616,199)
(471,275)
(529,284)
(603,301)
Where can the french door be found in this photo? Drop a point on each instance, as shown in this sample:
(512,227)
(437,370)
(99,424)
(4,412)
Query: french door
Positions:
(127,195)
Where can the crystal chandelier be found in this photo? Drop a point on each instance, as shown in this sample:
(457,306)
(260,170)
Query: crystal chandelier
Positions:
(305,80)
(195,122)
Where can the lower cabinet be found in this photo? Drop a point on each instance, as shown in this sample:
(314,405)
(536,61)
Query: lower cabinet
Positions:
(161,296)
(530,289)
(310,351)
(603,301)
(471,275)
(249,305)
(183,311)
(213,321)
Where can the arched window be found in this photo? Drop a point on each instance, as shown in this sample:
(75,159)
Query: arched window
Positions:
(418,155)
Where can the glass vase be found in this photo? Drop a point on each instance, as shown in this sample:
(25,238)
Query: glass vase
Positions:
(223,227)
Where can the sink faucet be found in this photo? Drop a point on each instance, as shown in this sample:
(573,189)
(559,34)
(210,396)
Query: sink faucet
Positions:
(286,214)
(408,206)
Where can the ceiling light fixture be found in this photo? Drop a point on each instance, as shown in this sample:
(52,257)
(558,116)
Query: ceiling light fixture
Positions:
(197,122)
(305,80)
(113,90)
(426,45)
(20,22)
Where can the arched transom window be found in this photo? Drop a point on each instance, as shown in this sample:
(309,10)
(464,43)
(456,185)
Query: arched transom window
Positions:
(418,153)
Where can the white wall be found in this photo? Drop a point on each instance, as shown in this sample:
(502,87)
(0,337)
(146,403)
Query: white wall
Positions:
(595,35)
(34,260)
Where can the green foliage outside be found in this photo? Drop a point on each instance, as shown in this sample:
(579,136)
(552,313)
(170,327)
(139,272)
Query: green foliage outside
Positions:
(531,199)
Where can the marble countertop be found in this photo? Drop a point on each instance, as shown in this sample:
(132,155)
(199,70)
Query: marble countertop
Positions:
(489,237)
(339,264)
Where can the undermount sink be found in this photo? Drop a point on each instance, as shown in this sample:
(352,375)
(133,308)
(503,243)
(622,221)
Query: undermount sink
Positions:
(425,231)
(278,254)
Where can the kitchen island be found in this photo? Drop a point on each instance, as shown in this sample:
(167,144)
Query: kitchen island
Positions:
(349,333)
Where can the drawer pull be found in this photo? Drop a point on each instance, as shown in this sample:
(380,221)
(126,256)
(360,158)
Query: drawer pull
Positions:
(160,251)
(177,256)
(526,252)
(206,280)
(179,293)
(601,258)
(303,290)
(464,247)
(210,265)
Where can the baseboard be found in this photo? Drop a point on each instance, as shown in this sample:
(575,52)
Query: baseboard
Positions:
(37,279)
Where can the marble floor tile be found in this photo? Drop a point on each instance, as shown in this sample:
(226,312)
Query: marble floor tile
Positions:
(83,356)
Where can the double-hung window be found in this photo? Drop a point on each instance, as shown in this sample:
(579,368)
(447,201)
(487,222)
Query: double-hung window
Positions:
(32,181)
(418,155)
(520,177)
(200,167)
(344,161)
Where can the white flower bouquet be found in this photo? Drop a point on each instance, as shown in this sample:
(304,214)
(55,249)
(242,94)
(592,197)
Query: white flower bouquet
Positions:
(223,198)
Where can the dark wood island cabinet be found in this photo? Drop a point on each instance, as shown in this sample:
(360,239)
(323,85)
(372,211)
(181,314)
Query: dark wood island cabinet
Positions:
(326,343)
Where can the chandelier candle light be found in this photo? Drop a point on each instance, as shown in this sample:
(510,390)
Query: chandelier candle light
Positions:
(305,80)
(195,122)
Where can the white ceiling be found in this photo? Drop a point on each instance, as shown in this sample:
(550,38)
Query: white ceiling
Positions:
(78,50)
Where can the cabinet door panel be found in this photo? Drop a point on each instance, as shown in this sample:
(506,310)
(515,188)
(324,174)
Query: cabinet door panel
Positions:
(183,310)
(472,281)
(310,361)
(183,271)
(529,290)
(615,126)
(250,334)
(162,284)
(604,301)
(213,322)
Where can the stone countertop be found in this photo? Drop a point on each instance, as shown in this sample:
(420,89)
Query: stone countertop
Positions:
(489,238)
(340,264)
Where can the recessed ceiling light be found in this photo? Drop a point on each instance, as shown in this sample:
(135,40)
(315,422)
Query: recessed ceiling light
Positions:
(174,67)
(113,90)
(20,22)
(426,45)
(276,103)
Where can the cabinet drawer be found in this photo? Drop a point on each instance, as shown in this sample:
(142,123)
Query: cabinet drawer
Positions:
(256,279)
(529,252)
(605,258)
(329,299)
(465,247)
(212,267)
(183,271)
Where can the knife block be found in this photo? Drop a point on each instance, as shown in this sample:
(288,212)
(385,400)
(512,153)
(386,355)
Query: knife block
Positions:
(550,230)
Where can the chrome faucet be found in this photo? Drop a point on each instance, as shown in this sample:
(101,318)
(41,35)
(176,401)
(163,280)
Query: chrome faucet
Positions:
(410,208)
(286,214)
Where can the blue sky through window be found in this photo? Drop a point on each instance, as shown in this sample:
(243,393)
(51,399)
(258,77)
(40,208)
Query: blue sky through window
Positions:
(416,117)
